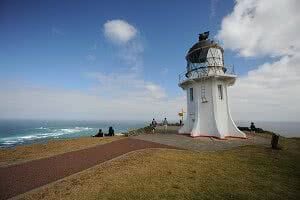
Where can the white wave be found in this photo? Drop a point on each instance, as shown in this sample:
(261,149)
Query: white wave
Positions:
(74,130)
(68,130)
(56,133)
(41,128)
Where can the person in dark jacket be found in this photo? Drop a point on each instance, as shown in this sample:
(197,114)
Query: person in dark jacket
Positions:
(99,134)
(111,131)
(153,125)
(252,127)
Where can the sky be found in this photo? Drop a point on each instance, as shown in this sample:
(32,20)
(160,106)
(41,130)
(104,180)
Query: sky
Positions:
(120,60)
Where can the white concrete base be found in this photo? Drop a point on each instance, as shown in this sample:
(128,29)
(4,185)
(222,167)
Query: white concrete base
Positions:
(211,117)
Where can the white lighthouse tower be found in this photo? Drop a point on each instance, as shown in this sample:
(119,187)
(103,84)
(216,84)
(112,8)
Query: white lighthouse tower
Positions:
(206,80)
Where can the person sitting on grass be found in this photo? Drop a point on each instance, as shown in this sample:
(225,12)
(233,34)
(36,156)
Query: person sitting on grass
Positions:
(99,134)
(111,131)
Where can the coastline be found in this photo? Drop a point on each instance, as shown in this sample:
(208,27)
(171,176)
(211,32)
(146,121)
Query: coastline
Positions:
(27,152)
(55,146)
(22,132)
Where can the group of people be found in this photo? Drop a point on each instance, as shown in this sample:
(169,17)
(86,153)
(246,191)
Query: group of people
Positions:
(111,132)
(154,124)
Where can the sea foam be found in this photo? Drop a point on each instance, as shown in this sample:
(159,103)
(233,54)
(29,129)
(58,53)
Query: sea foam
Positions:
(51,133)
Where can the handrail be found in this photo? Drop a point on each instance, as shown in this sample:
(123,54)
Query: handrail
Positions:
(202,72)
(195,69)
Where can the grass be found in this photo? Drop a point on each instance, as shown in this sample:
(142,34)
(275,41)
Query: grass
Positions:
(53,147)
(249,172)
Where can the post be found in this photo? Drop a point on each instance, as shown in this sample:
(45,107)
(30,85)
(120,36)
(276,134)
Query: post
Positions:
(274,141)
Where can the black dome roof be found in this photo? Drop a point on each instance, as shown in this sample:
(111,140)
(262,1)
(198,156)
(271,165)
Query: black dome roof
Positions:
(198,52)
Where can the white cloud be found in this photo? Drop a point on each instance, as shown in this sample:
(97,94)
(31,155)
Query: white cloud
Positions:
(119,31)
(127,84)
(129,47)
(132,54)
(262,27)
(270,93)
(125,97)
(265,28)
(155,90)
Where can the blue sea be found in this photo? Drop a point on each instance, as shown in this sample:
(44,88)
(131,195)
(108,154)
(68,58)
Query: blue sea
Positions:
(20,132)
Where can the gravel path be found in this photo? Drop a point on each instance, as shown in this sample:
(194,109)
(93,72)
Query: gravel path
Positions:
(201,143)
(18,179)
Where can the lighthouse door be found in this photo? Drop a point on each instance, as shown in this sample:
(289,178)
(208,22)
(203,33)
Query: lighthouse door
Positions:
(191,121)
(191,105)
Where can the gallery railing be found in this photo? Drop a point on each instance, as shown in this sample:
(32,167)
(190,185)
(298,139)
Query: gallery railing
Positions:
(202,72)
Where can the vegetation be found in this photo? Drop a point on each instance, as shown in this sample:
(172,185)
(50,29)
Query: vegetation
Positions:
(147,129)
(249,172)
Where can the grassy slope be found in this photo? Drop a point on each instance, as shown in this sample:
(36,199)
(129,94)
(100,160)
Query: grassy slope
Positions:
(53,147)
(250,172)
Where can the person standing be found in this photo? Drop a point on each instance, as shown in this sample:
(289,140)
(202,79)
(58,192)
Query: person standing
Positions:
(165,124)
(153,125)
(252,127)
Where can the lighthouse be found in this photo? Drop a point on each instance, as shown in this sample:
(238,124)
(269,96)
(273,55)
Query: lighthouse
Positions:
(205,81)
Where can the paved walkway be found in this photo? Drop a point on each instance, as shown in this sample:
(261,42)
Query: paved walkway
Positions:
(201,143)
(18,179)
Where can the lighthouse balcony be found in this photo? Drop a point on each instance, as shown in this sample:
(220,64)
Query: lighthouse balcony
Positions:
(206,72)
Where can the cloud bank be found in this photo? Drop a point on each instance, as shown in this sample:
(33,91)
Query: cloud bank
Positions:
(118,102)
(270,29)
(126,85)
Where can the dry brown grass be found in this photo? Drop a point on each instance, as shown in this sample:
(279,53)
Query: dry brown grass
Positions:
(251,172)
(53,147)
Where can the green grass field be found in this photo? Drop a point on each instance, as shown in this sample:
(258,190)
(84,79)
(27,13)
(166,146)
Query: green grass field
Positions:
(250,172)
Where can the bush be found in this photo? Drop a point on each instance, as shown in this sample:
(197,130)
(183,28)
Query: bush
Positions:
(138,131)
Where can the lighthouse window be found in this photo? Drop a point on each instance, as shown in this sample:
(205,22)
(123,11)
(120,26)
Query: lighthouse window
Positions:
(191,94)
(220,89)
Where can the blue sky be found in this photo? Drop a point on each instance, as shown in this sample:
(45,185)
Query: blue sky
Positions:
(61,45)
(48,42)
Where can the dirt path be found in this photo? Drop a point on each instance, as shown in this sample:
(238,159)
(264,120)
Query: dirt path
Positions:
(21,178)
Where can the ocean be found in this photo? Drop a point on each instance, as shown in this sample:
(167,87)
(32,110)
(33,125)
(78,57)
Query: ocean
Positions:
(20,132)
(286,129)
